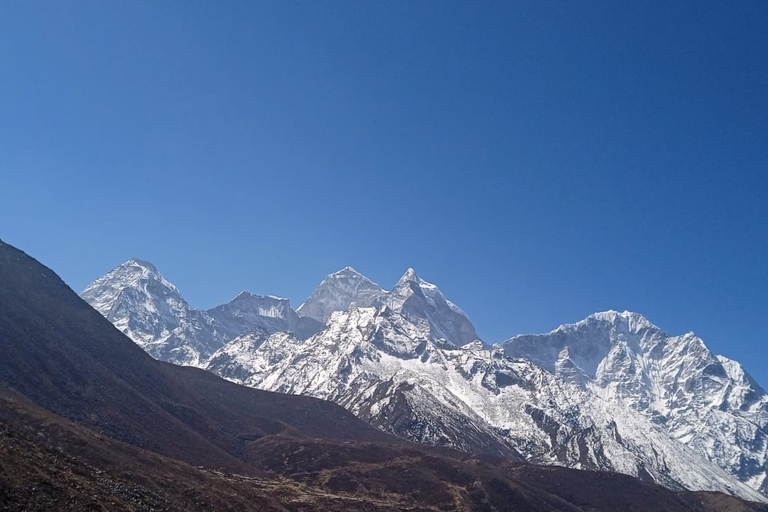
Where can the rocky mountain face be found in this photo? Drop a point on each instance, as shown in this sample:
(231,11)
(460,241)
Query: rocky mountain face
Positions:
(612,392)
(706,402)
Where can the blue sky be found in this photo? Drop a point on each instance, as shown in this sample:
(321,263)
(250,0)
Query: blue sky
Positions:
(539,161)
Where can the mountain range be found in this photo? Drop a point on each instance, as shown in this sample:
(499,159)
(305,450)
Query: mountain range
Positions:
(612,392)
(89,421)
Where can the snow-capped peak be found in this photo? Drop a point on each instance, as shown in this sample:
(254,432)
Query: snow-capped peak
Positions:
(430,291)
(422,302)
(245,295)
(584,345)
(137,265)
(135,274)
(136,268)
(410,275)
(144,305)
(674,380)
(628,320)
(339,291)
(347,271)
(405,286)
(141,263)
(139,301)
(248,304)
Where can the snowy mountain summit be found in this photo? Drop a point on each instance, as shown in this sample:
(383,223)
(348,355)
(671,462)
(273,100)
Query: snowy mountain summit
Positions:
(139,301)
(704,401)
(612,392)
(423,304)
(340,291)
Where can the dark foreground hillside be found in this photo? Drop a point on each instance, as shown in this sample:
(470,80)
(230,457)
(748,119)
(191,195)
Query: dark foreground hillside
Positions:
(88,421)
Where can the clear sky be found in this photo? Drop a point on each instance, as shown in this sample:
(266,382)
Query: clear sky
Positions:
(539,161)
